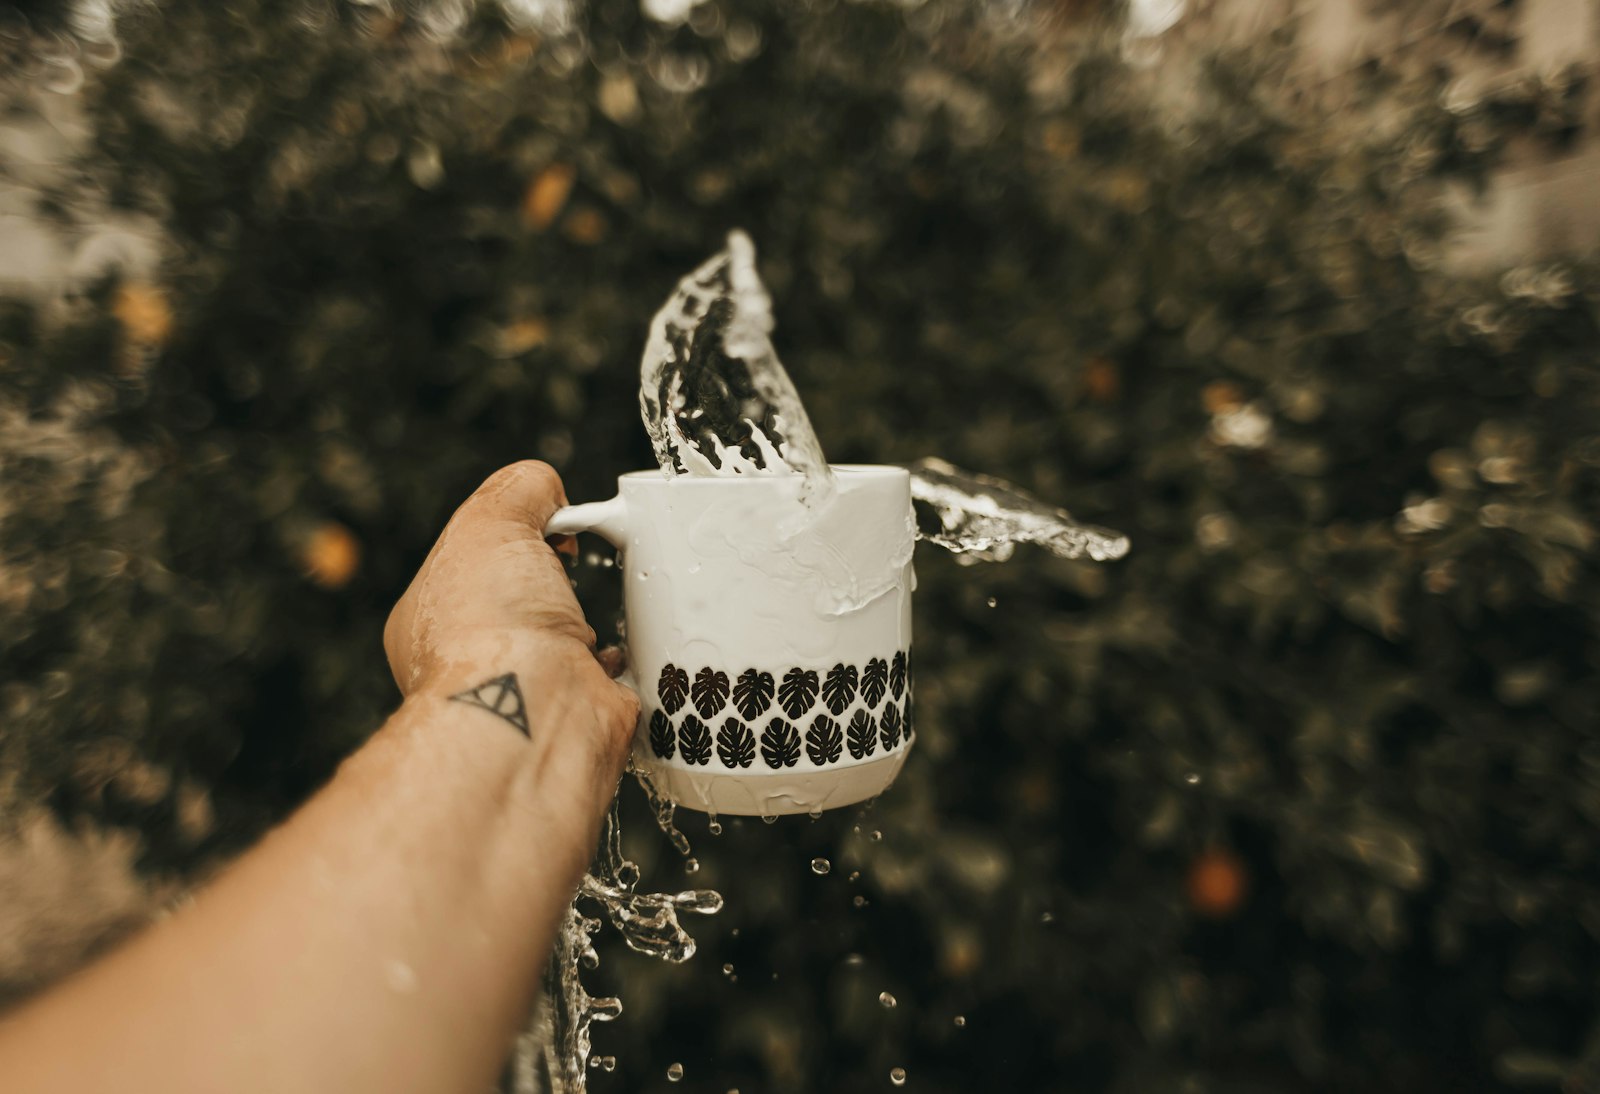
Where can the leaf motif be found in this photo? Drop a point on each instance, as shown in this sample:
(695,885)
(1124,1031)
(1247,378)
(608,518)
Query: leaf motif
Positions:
(797,692)
(694,741)
(874,681)
(662,740)
(753,693)
(736,745)
(905,712)
(710,691)
(780,744)
(673,687)
(897,674)
(824,741)
(862,735)
(889,727)
(839,689)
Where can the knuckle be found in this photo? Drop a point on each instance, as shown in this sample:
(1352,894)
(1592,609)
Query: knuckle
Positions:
(624,716)
(528,474)
(563,624)
(391,633)
(627,703)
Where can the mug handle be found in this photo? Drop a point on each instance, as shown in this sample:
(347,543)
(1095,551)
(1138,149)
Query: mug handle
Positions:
(607,519)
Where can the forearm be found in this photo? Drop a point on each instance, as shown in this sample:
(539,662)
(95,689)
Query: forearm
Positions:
(387,938)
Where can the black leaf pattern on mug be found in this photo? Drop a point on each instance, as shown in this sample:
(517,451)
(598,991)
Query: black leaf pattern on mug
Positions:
(874,681)
(736,745)
(906,712)
(673,687)
(797,692)
(780,744)
(710,691)
(839,689)
(694,741)
(824,741)
(753,693)
(888,728)
(662,739)
(862,735)
(897,674)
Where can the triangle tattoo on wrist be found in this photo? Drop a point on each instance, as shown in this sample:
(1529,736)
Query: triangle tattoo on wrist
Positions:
(500,696)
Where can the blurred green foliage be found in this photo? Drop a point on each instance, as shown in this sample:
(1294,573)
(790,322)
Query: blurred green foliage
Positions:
(1302,796)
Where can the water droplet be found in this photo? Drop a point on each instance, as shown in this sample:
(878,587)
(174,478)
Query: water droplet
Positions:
(961,1021)
(734,932)
(594,1063)
(769,819)
(897,1076)
(992,602)
(855,875)
(727,970)
(875,836)
(854,960)
(691,866)
(1192,778)
(608,1063)
(814,814)
(674,1073)
(715,827)
(401,977)
(887,1000)
(1047,917)
(820,866)
(859,901)
(589,959)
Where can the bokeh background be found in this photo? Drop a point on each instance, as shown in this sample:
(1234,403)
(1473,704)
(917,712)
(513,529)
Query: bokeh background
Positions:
(1302,796)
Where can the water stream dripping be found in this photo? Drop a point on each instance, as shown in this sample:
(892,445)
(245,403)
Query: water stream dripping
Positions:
(553,1054)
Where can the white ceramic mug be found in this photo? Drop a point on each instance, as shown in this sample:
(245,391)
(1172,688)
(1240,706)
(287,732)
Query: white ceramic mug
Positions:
(770,644)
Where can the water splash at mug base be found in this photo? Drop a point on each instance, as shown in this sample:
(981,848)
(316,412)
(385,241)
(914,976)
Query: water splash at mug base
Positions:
(553,1054)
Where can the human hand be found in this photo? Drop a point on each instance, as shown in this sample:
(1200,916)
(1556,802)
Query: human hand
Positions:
(492,601)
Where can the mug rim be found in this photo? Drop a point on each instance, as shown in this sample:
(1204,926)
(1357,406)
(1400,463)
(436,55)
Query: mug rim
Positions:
(883,471)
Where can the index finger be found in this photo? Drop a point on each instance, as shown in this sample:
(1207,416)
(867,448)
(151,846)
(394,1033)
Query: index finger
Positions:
(527,493)
(491,564)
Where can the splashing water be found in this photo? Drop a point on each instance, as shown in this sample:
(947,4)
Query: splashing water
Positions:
(714,397)
(717,401)
(553,1054)
(984,518)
